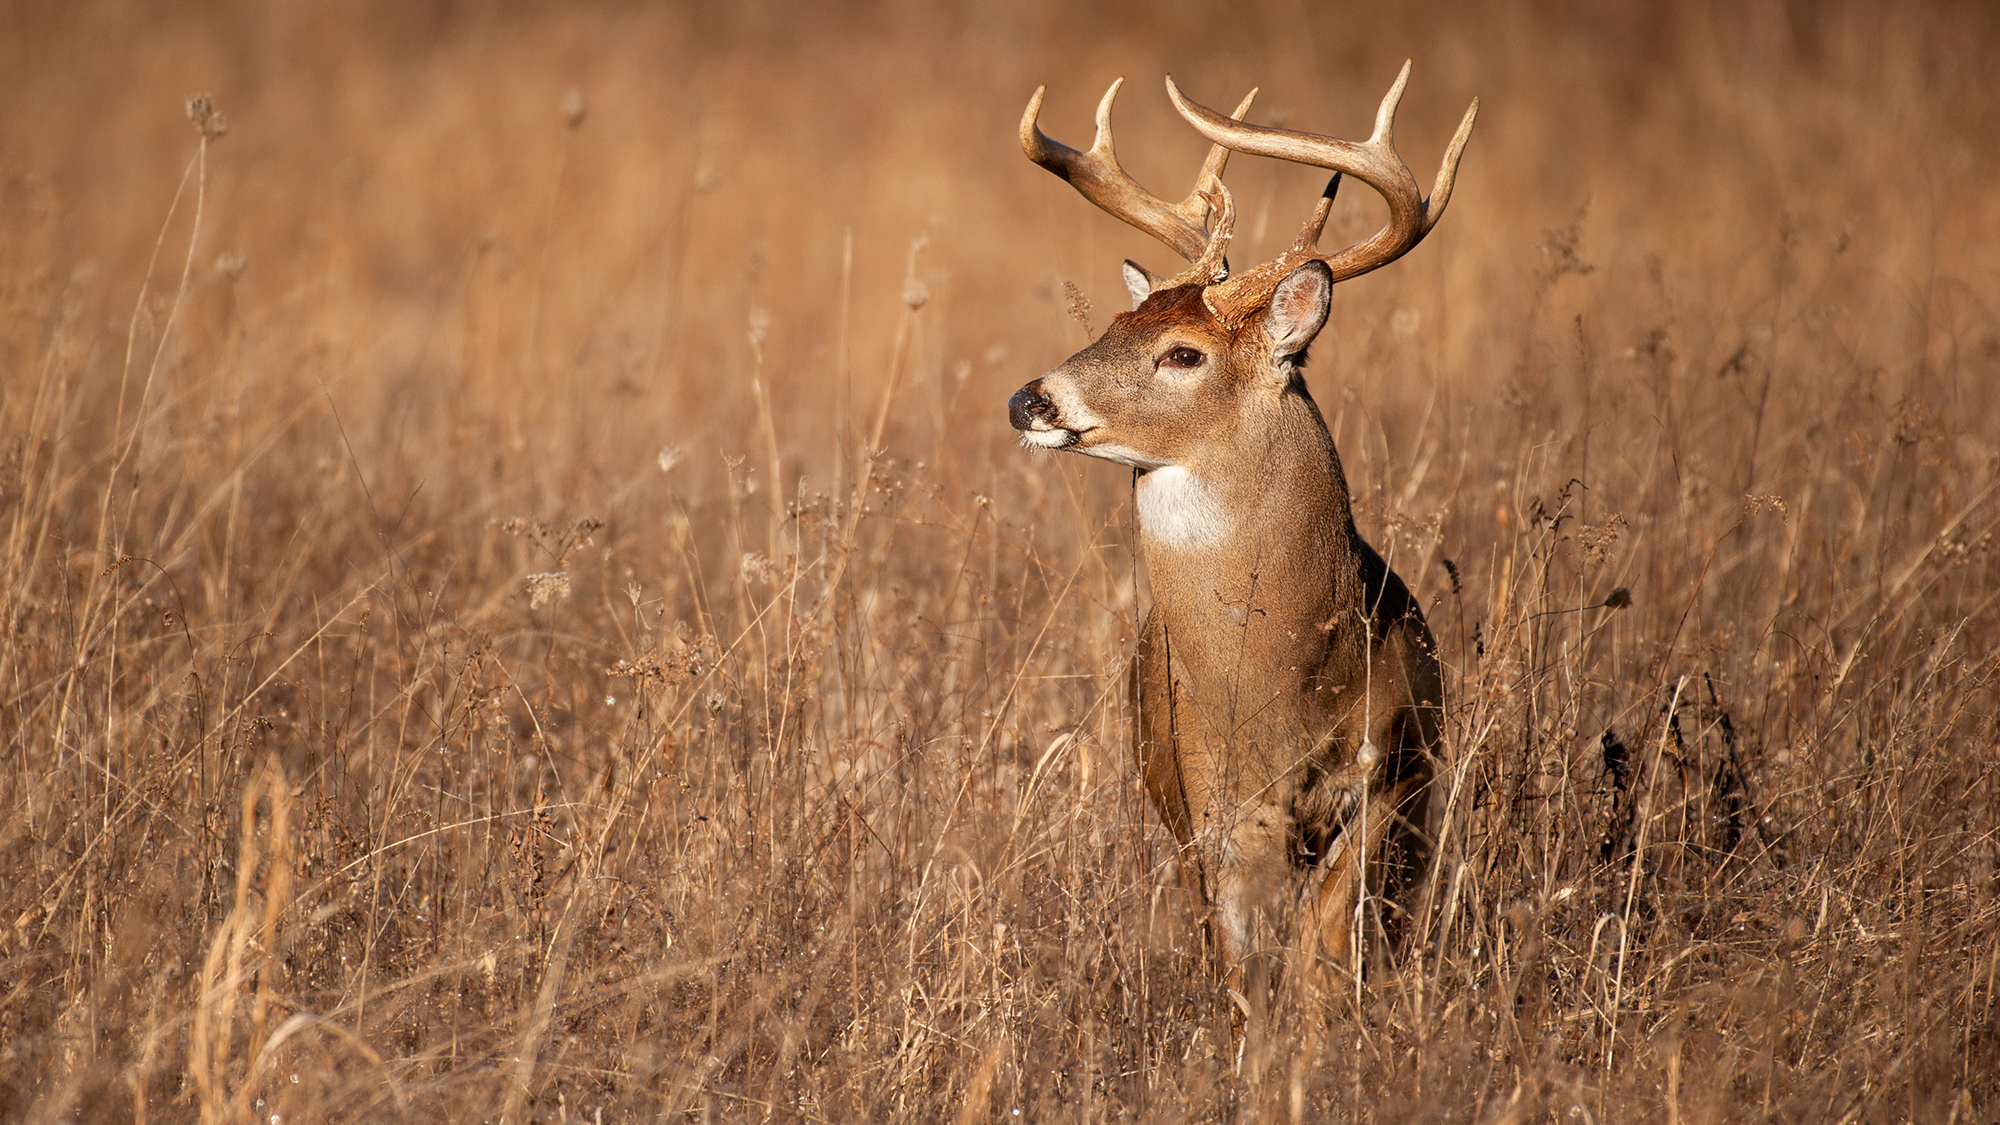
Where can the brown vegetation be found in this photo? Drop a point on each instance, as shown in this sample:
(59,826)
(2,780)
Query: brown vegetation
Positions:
(523,603)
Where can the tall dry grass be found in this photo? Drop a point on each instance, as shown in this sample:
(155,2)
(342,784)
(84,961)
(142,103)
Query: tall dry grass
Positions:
(523,605)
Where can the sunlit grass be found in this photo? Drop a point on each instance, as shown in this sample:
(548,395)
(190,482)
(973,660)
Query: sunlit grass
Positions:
(527,606)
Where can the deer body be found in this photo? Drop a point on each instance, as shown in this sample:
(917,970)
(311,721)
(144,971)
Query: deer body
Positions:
(1286,694)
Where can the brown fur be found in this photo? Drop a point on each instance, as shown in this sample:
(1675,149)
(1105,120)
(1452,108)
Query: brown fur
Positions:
(1273,654)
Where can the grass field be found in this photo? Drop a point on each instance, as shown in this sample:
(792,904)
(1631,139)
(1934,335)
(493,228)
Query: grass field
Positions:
(521,601)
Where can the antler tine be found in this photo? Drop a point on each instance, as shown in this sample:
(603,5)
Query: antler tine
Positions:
(1098,177)
(1218,157)
(1374,162)
(1385,114)
(1308,238)
(1213,265)
(1448,171)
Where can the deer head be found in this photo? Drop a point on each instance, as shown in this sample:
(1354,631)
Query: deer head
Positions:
(1285,682)
(1184,356)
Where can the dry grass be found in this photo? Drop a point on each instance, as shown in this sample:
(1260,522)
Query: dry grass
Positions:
(519,614)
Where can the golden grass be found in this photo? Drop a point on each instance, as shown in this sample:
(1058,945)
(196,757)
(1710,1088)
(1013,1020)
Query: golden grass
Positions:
(528,608)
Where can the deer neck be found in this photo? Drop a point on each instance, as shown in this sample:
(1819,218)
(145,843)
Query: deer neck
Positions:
(1258,532)
(1255,567)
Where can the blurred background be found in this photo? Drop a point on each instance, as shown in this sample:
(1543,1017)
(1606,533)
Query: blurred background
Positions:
(406,176)
(421,697)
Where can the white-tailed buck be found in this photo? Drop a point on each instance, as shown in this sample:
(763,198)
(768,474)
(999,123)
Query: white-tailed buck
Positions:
(1286,695)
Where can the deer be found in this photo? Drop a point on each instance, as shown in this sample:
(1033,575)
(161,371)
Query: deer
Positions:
(1286,699)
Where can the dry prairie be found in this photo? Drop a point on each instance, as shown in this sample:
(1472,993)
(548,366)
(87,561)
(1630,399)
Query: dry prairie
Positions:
(521,600)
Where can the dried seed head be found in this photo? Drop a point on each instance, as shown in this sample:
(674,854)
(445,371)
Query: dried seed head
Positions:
(1597,541)
(1079,306)
(211,125)
(1754,502)
(757,567)
(547,587)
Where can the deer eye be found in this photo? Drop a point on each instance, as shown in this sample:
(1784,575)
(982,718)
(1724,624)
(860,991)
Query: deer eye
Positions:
(1182,356)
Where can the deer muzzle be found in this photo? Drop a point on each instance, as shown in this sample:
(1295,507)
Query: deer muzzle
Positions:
(1030,409)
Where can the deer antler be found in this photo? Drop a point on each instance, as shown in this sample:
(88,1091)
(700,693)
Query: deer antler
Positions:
(1213,265)
(1373,162)
(1097,175)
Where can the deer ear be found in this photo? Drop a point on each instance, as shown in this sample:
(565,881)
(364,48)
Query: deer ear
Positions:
(1298,309)
(1139,282)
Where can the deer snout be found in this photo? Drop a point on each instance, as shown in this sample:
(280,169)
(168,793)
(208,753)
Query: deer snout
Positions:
(1029,406)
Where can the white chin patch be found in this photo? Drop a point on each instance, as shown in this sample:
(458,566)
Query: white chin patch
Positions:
(1048,439)
(1177,510)
(1122,455)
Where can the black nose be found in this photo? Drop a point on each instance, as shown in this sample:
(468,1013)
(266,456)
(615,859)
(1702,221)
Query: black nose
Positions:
(1029,405)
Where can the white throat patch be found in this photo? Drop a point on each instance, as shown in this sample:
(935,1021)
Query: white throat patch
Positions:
(1176,509)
